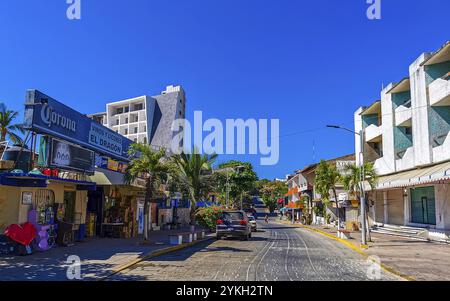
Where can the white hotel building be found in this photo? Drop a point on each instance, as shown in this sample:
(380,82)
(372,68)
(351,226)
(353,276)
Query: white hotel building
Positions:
(146,119)
(407,136)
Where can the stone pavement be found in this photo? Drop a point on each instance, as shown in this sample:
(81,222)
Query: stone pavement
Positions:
(98,258)
(421,260)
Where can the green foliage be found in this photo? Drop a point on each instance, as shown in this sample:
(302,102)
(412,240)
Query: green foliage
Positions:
(327,177)
(270,192)
(191,171)
(207,217)
(242,180)
(352,177)
(151,164)
(7,126)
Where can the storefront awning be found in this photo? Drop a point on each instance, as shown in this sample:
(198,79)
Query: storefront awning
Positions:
(426,175)
(40,181)
(293,191)
(104,177)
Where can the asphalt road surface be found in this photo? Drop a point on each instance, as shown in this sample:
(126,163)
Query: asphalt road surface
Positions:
(274,253)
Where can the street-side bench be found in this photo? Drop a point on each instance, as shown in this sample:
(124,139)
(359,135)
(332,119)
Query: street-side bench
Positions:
(177,238)
(344,234)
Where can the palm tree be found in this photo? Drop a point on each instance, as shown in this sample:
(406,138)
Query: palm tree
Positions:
(327,178)
(352,182)
(7,126)
(191,171)
(154,165)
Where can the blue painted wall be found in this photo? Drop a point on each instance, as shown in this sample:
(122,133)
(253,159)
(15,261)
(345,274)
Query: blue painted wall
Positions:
(399,99)
(436,71)
(402,141)
(438,122)
(370,119)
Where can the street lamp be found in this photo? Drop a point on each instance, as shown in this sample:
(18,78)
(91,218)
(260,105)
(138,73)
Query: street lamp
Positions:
(362,177)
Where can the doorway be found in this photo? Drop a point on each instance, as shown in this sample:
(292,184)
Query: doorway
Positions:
(423,209)
(69,206)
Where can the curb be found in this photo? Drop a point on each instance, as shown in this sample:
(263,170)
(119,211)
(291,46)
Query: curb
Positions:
(357,249)
(153,254)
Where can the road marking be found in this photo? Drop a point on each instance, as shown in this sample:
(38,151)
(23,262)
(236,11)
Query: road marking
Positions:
(286,258)
(260,251)
(309,257)
(262,258)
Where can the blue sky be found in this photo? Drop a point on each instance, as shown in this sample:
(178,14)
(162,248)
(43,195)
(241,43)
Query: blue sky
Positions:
(307,62)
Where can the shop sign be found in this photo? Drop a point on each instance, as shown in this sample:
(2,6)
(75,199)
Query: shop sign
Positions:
(27,198)
(45,115)
(70,157)
(110,164)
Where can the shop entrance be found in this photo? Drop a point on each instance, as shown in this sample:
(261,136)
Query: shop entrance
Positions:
(423,210)
(69,206)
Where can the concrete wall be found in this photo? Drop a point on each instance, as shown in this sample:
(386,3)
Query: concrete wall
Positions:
(419,105)
(442,198)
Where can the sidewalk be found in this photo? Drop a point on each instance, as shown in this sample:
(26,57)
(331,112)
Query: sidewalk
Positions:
(420,260)
(99,258)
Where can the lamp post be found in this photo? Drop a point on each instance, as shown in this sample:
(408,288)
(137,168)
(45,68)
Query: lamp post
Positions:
(361,184)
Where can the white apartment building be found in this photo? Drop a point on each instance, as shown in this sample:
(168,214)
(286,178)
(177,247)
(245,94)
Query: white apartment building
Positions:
(146,119)
(407,136)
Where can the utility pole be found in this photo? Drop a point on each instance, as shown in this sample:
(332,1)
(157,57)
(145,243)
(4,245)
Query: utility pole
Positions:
(362,181)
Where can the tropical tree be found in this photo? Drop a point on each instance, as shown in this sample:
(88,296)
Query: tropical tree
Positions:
(327,178)
(271,191)
(352,181)
(241,181)
(7,126)
(193,171)
(154,166)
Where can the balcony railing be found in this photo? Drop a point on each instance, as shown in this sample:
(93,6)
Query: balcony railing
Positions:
(403,116)
(439,91)
(373,133)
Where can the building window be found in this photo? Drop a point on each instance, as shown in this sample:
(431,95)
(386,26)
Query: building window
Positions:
(135,140)
(138,107)
(135,130)
(145,140)
(119,110)
(126,131)
(127,109)
(145,128)
(136,119)
(126,120)
(117,121)
(408,131)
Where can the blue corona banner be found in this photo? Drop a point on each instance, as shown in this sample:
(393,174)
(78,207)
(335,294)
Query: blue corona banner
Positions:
(45,115)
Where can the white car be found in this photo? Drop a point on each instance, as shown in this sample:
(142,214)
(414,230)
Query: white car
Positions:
(252,221)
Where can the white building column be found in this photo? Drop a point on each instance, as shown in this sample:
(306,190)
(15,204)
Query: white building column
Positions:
(406,206)
(385,206)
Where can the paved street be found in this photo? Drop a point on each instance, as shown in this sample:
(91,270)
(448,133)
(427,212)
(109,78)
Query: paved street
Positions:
(276,252)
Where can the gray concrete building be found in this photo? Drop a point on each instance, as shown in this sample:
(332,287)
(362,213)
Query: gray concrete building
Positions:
(146,119)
